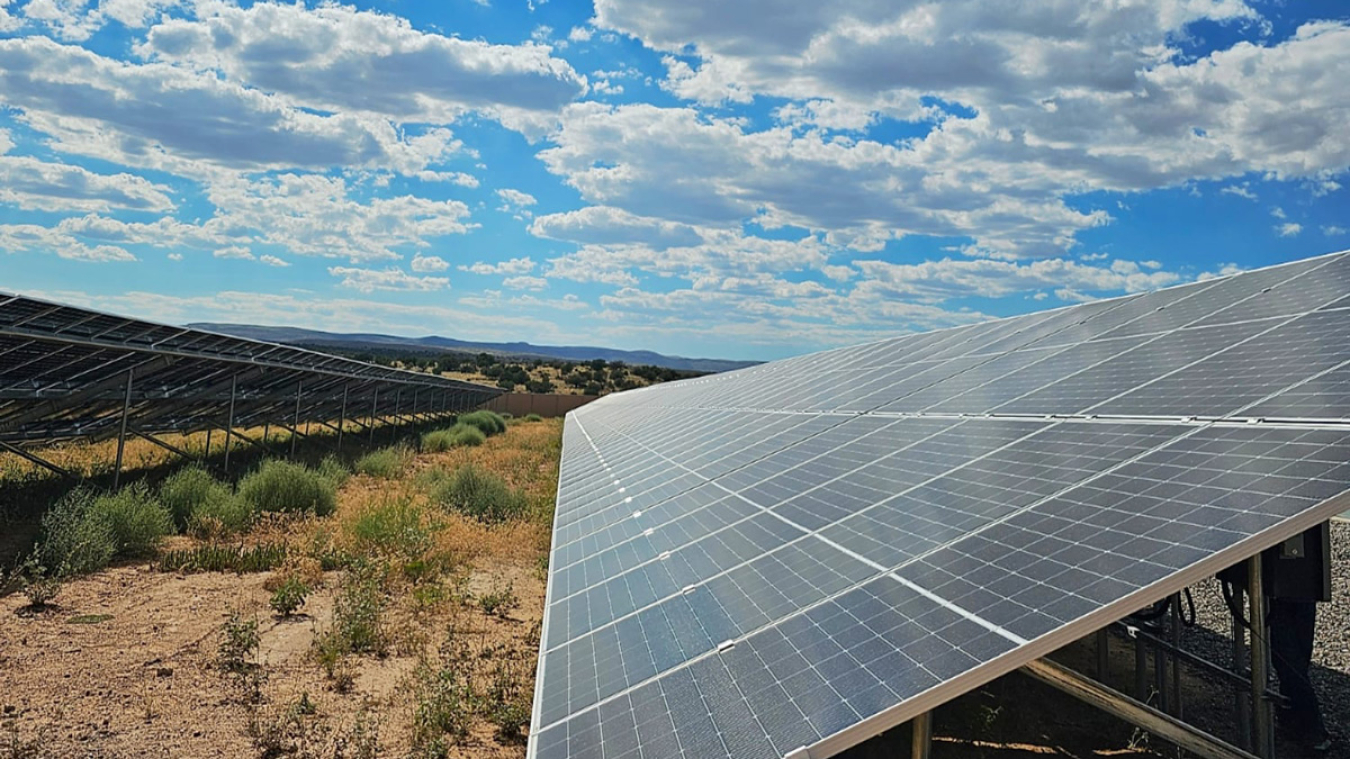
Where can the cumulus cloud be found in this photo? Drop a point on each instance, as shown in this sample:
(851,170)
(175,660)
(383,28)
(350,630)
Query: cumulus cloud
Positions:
(161,116)
(937,281)
(524,283)
(605,225)
(32,184)
(427,264)
(1289,229)
(339,58)
(370,280)
(271,260)
(520,265)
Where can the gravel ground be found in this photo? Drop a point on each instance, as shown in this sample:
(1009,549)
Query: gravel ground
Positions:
(1331,653)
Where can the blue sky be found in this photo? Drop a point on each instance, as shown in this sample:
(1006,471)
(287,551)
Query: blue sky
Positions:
(740,180)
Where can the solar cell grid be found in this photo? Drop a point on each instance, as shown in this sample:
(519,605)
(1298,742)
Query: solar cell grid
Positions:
(811,594)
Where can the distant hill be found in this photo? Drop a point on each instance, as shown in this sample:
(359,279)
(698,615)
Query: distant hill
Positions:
(318,338)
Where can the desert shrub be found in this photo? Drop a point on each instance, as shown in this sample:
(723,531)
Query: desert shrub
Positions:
(187,489)
(385,463)
(282,486)
(332,468)
(139,522)
(437,441)
(214,557)
(73,541)
(479,494)
(533,418)
(237,643)
(507,702)
(488,422)
(289,597)
(464,434)
(220,517)
(40,584)
(396,527)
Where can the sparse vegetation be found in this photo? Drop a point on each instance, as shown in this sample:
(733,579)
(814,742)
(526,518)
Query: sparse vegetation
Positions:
(533,418)
(289,488)
(215,557)
(499,600)
(358,613)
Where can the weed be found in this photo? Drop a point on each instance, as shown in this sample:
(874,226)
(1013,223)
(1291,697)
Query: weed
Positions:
(396,528)
(359,609)
(385,463)
(507,704)
(445,707)
(479,494)
(533,418)
(238,643)
(289,597)
(285,487)
(215,557)
(189,489)
(72,539)
(138,521)
(489,422)
(40,585)
(362,741)
(498,601)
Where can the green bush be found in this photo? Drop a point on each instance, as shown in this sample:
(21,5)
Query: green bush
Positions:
(220,517)
(486,421)
(333,470)
(189,488)
(139,522)
(358,611)
(393,528)
(282,486)
(533,418)
(479,494)
(73,541)
(385,463)
(437,441)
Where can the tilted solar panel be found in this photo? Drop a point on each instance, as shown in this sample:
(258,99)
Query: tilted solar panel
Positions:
(791,558)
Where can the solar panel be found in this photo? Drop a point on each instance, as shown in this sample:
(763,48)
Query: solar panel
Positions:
(64,374)
(800,555)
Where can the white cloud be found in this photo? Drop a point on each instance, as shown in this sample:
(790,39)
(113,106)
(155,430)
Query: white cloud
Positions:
(580,34)
(234,251)
(427,264)
(271,260)
(936,281)
(524,283)
(1242,191)
(605,225)
(521,265)
(32,184)
(515,199)
(338,58)
(1289,229)
(370,280)
(1332,230)
(1278,213)
(8,23)
(174,256)
(160,116)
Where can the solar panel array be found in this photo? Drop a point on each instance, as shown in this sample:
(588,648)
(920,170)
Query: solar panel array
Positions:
(64,370)
(788,559)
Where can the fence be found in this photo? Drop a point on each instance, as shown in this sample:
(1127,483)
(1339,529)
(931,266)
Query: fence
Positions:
(543,404)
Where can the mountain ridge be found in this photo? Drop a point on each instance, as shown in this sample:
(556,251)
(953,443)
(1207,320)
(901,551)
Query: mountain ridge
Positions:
(357,340)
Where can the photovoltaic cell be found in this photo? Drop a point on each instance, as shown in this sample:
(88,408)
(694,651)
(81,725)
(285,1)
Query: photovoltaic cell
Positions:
(796,554)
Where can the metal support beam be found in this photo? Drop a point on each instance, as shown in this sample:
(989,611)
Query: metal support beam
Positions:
(45,464)
(1178,709)
(1103,654)
(342,415)
(398,420)
(1263,735)
(1241,709)
(1113,702)
(922,742)
(162,444)
(374,406)
(229,420)
(122,433)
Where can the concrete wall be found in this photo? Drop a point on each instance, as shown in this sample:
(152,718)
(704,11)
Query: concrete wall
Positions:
(545,405)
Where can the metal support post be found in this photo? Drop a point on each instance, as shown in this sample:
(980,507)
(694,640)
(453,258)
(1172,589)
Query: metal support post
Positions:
(1157,723)
(229,420)
(1160,677)
(1264,735)
(1103,654)
(1241,708)
(398,420)
(207,454)
(922,728)
(122,433)
(295,428)
(374,406)
(1140,669)
(1177,709)
(342,415)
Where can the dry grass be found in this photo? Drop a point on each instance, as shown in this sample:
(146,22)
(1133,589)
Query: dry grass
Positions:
(393,626)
